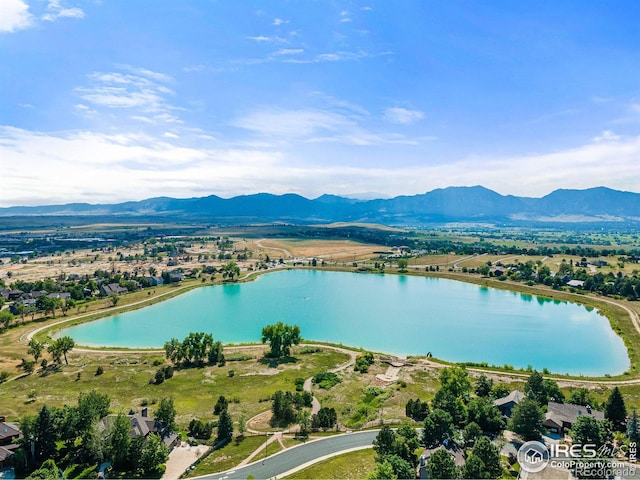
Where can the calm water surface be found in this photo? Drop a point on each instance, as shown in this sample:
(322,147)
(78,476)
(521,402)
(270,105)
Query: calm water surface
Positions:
(453,320)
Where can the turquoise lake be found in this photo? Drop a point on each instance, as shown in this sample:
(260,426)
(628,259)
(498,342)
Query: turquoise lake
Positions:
(396,314)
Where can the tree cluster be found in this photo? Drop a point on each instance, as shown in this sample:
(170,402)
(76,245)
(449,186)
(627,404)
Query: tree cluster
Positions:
(281,337)
(194,350)
(285,404)
(363,362)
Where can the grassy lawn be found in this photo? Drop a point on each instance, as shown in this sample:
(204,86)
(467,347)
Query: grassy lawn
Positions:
(356,464)
(195,390)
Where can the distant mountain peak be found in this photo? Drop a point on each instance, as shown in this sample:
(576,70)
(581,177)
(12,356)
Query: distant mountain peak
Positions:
(455,203)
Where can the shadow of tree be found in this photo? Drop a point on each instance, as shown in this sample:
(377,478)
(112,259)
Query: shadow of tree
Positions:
(273,362)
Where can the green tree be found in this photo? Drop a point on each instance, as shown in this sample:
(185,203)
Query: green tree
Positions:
(582,396)
(438,427)
(65,420)
(221,405)
(483,386)
(119,441)
(225,427)
(587,429)
(471,433)
(35,349)
(304,420)
(5,319)
(242,424)
(382,471)
(485,414)
(114,299)
(473,468)
(401,467)
(230,271)
(455,380)
(166,413)
(154,453)
(44,435)
(489,454)
(445,400)
(383,443)
(47,471)
(173,350)
(615,410)
(91,407)
(441,465)
(403,263)
(65,345)
(526,419)
(281,337)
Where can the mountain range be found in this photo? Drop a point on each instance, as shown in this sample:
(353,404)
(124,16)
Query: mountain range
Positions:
(451,204)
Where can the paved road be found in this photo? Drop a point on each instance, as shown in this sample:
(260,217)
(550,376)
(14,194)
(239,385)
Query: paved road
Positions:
(293,457)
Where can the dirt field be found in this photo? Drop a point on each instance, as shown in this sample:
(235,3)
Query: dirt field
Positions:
(329,250)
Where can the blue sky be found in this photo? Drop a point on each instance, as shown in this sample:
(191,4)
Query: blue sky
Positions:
(113,100)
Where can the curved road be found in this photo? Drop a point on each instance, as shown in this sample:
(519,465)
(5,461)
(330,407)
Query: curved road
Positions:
(300,455)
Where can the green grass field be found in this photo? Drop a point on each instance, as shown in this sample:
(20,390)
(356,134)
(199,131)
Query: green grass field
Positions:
(356,464)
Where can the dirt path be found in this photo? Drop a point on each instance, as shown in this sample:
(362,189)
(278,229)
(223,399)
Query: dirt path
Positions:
(283,250)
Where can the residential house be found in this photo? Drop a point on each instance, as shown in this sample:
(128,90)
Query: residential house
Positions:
(575,283)
(454,450)
(498,271)
(176,276)
(60,295)
(9,434)
(561,416)
(143,425)
(155,281)
(506,404)
(110,289)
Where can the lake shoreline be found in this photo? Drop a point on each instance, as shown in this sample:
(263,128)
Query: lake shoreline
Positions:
(542,296)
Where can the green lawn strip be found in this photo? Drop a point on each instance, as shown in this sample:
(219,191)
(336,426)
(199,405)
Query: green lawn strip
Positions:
(356,464)
(228,456)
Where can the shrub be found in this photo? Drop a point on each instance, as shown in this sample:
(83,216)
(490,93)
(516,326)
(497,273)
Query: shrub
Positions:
(99,370)
(4,375)
(363,361)
(306,350)
(159,378)
(326,380)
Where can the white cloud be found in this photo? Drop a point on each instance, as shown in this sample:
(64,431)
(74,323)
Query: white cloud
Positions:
(279,21)
(289,51)
(14,15)
(265,39)
(97,167)
(340,56)
(55,11)
(142,90)
(403,116)
(607,136)
(316,126)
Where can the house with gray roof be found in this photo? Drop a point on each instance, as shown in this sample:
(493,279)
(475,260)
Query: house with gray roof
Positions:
(561,416)
(9,434)
(112,289)
(506,404)
(456,452)
(143,426)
